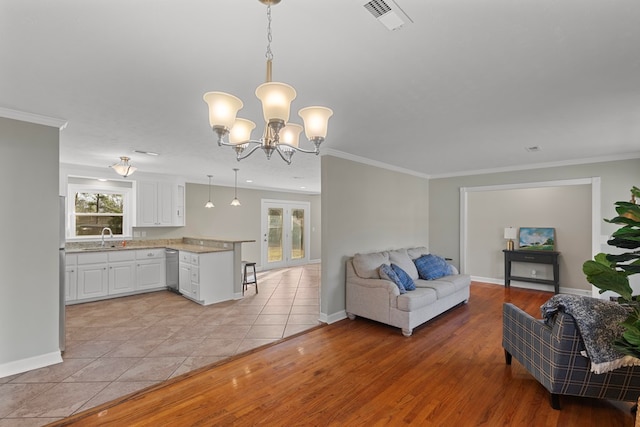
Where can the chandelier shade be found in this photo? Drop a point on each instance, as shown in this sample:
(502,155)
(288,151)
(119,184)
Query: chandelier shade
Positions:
(290,134)
(316,121)
(241,131)
(223,109)
(276,101)
(279,135)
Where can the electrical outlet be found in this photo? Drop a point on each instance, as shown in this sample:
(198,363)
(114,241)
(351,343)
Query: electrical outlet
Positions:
(225,245)
(533,273)
(201,243)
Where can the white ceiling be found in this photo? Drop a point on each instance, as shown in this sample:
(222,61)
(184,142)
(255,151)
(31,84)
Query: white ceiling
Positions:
(466,87)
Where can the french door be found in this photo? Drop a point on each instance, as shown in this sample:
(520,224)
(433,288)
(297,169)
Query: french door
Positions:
(285,233)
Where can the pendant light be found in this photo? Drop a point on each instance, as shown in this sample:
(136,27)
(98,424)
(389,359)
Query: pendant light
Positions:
(235,201)
(209,204)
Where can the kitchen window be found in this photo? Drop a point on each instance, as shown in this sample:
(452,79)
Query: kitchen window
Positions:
(93,205)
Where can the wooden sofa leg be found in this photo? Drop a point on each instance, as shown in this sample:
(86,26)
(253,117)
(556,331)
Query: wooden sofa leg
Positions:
(555,401)
(507,357)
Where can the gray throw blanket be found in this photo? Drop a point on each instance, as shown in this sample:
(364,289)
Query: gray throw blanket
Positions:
(598,322)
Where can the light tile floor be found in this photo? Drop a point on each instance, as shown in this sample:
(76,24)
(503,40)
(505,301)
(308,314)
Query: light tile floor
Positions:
(119,346)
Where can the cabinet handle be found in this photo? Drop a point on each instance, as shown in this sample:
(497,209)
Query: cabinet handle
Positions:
(529,257)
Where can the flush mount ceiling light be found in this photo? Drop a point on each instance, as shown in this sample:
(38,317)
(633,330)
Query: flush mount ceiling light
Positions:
(123,167)
(276,98)
(235,201)
(209,204)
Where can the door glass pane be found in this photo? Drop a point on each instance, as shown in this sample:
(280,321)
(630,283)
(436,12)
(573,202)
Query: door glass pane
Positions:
(274,232)
(297,233)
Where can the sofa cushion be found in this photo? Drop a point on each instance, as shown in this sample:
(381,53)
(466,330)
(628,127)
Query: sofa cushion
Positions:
(406,280)
(417,252)
(441,287)
(401,259)
(367,265)
(387,273)
(432,267)
(419,298)
(459,281)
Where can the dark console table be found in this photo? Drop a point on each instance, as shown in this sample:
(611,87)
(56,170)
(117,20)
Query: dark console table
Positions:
(536,257)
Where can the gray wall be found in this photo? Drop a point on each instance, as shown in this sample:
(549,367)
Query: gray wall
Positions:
(29,305)
(365,209)
(565,208)
(238,223)
(617,177)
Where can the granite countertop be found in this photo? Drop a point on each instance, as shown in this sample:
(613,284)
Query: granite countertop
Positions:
(190,244)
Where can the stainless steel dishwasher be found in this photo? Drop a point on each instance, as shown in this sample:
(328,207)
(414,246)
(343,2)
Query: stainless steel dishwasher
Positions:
(172,269)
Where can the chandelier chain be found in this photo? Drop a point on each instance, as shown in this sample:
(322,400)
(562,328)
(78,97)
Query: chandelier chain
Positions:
(269,54)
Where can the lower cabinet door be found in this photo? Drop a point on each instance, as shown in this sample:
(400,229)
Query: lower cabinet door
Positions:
(184,279)
(93,280)
(150,274)
(122,277)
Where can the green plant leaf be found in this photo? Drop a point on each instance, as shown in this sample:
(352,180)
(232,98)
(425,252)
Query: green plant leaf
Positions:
(606,278)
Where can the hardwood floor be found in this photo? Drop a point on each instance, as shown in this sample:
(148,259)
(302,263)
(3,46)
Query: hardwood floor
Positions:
(450,372)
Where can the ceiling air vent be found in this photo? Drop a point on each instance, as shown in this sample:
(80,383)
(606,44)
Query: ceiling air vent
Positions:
(387,12)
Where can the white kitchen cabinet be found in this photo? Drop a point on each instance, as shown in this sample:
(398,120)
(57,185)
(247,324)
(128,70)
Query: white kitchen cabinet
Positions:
(71,277)
(122,273)
(184,278)
(206,278)
(150,269)
(93,275)
(159,204)
(179,219)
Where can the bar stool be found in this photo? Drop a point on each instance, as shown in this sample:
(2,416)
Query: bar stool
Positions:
(245,280)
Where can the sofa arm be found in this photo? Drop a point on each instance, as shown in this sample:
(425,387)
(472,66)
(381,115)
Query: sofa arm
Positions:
(370,298)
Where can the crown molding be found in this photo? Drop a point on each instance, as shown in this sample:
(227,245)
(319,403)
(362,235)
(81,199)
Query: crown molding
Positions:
(589,160)
(366,161)
(33,118)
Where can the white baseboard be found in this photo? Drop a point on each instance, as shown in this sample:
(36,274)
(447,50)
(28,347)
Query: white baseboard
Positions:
(30,363)
(529,285)
(332,318)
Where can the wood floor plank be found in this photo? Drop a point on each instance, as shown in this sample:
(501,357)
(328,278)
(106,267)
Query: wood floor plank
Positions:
(451,371)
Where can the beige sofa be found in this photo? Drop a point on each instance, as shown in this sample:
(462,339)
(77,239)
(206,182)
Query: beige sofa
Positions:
(378,299)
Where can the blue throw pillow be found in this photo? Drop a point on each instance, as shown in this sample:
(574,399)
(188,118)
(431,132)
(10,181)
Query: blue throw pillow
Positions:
(387,273)
(432,267)
(406,280)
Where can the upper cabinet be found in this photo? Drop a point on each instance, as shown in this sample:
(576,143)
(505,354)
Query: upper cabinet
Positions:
(160,204)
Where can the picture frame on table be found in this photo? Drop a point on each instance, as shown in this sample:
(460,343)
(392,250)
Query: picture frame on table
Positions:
(537,238)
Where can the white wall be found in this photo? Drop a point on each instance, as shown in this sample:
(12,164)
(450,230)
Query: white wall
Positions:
(29,305)
(365,209)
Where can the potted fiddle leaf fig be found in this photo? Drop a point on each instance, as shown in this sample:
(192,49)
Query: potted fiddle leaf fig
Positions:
(610,272)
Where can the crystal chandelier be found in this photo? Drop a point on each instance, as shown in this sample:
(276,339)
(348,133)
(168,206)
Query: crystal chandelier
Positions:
(279,135)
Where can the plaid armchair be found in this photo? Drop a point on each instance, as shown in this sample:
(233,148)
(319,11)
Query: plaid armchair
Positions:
(552,356)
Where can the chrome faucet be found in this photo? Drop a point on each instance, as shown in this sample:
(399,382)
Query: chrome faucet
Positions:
(102,234)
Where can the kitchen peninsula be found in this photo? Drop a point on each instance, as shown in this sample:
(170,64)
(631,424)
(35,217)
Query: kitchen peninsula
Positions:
(210,269)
